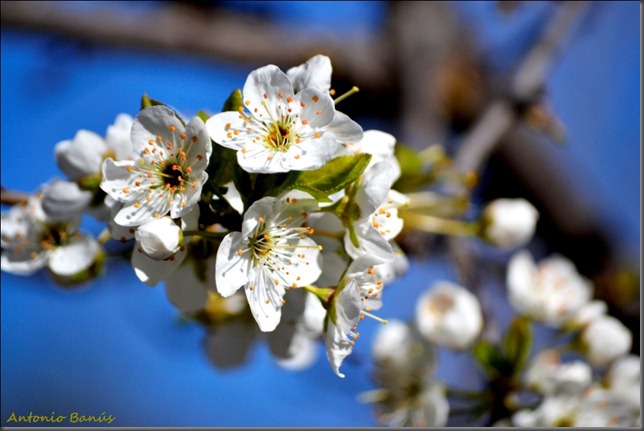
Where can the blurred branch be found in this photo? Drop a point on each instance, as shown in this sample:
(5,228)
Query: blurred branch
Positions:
(9,197)
(216,34)
(500,116)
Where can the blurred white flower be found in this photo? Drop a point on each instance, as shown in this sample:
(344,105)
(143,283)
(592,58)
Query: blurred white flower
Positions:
(550,293)
(594,407)
(604,340)
(509,222)
(449,315)
(271,254)
(169,173)
(377,143)
(549,376)
(64,198)
(586,314)
(623,380)
(281,131)
(31,241)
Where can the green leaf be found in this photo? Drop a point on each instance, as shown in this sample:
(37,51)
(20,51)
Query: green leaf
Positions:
(517,343)
(234,101)
(487,355)
(203,115)
(411,163)
(147,102)
(330,178)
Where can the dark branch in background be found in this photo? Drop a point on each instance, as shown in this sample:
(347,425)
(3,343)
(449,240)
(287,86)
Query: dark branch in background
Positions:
(214,33)
(11,197)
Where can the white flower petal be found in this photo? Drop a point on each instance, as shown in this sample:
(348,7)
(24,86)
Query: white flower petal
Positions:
(75,257)
(315,73)
(348,306)
(118,137)
(265,299)
(151,271)
(220,125)
(318,109)
(345,129)
(63,198)
(232,269)
(82,155)
(263,86)
(376,183)
(159,238)
(151,123)
(188,292)
(371,242)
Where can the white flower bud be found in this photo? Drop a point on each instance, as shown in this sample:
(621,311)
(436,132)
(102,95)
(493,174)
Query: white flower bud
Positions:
(509,222)
(160,238)
(449,315)
(604,340)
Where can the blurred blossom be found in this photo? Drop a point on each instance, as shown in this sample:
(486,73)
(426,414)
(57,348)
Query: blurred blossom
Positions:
(594,407)
(605,339)
(377,143)
(509,222)
(623,379)
(548,375)
(449,315)
(551,292)
(32,241)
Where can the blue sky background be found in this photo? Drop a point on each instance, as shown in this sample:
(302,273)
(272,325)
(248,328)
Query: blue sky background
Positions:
(117,346)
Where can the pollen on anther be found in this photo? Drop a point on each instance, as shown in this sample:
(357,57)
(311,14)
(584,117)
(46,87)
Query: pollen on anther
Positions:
(157,215)
(194,184)
(265,95)
(159,139)
(261,219)
(302,104)
(137,205)
(126,190)
(199,157)
(280,95)
(148,199)
(305,122)
(371,270)
(316,98)
(316,134)
(194,139)
(129,169)
(182,136)
(247,102)
(297,156)
(172,128)
(239,252)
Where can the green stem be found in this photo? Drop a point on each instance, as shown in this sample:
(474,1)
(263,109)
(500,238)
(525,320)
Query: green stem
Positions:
(437,225)
(205,234)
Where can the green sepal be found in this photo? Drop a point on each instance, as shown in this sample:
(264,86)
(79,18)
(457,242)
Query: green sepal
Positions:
(488,356)
(234,101)
(203,115)
(334,176)
(146,102)
(517,343)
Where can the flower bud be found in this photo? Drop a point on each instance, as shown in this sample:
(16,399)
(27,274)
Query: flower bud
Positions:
(604,340)
(160,238)
(449,315)
(508,222)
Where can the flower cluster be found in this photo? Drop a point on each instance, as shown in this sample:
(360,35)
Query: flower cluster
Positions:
(278,217)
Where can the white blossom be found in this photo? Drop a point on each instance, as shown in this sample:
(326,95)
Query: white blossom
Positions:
(549,375)
(509,222)
(551,292)
(281,131)
(32,241)
(449,315)
(605,339)
(160,238)
(623,380)
(271,254)
(169,173)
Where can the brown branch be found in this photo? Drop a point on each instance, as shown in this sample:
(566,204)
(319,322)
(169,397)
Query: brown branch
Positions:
(10,197)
